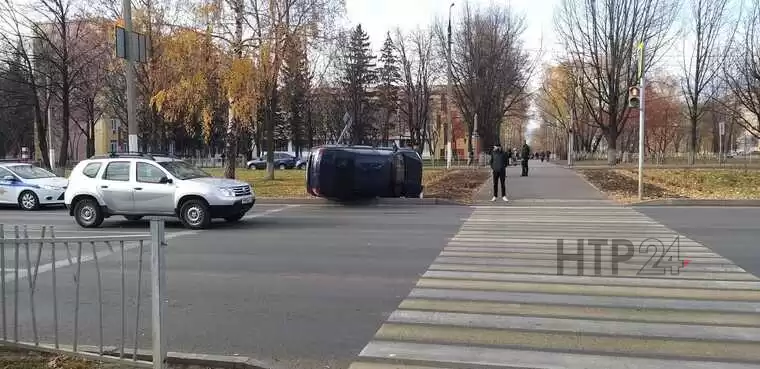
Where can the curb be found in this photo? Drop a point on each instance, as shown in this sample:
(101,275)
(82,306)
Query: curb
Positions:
(376,201)
(697,202)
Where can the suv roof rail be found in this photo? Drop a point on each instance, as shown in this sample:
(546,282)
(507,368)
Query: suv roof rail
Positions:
(143,155)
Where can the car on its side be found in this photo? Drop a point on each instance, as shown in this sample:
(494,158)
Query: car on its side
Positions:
(30,186)
(282,160)
(138,185)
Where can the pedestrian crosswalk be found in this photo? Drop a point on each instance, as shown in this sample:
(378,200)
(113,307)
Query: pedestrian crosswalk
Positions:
(572,287)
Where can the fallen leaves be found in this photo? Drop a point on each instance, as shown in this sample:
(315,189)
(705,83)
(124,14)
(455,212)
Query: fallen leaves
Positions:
(458,184)
(718,184)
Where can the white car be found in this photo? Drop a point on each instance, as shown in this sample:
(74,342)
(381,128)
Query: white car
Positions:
(30,186)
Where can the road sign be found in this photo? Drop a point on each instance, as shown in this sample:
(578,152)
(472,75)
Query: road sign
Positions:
(722,127)
(136,49)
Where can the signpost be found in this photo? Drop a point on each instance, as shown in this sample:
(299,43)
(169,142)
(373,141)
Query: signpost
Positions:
(133,47)
(642,88)
(722,130)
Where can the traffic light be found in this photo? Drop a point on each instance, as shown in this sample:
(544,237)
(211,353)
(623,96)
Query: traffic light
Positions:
(634,98)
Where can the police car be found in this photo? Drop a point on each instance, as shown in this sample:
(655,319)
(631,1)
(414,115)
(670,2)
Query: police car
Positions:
(30,186)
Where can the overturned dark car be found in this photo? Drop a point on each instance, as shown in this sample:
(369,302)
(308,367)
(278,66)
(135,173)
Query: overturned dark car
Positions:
(363,172)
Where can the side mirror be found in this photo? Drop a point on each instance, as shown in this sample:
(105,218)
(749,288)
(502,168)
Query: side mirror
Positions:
(9,178)
(165,180)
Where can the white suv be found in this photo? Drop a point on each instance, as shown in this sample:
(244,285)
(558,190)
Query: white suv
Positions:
(137,185)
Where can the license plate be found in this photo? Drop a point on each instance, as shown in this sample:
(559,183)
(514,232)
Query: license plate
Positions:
(247,200)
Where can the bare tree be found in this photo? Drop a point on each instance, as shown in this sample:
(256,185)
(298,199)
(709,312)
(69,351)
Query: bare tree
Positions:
(490,68)
(701,67)
(415,56)
(742,74)
(601,38)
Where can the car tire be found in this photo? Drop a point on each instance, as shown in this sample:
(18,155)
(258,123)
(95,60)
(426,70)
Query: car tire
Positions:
(234,218)
(283,167)
(88,213)
(28,200)
(252,167)
(133,218)
(195,214)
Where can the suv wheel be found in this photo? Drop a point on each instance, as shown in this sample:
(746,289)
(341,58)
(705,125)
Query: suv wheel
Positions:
(28,200)
(252,167)
(282,167)
(195,214)
(88,213)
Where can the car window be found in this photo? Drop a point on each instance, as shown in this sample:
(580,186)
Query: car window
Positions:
(183,170)
(279,155)
(30,171)
(91,170)
(5,172)
(149,173)
(117,171)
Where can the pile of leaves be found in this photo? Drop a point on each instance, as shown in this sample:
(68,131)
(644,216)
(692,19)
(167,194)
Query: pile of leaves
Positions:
(623,187)
(458,185)
(718,184)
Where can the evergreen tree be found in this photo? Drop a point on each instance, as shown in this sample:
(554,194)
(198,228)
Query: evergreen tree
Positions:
(296,86)
(358,75)
(389,75)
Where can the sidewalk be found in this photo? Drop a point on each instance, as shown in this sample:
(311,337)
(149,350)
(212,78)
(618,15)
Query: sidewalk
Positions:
(545,181)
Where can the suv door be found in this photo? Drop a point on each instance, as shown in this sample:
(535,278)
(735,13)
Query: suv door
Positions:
(116,186)
(152,196)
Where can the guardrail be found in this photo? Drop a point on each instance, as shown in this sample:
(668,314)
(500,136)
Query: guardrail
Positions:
(39,306)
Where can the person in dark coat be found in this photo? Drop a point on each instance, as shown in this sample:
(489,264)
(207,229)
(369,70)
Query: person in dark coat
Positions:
(525,154)
(499,162)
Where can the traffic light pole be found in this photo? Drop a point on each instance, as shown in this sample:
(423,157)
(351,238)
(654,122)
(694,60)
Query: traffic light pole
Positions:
(642,93)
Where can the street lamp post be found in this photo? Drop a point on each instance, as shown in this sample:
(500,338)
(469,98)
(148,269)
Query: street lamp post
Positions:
(129,74)
(449,97)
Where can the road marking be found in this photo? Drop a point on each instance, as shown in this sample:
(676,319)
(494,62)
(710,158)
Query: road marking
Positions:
(127,247)
(497,284)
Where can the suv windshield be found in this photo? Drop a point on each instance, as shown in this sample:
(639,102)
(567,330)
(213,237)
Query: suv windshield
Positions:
(30,172)
(183,170)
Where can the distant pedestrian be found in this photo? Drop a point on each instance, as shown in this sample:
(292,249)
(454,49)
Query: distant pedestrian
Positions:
(499,162)
(525,154)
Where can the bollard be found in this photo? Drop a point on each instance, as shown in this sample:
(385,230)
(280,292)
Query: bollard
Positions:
(158,288)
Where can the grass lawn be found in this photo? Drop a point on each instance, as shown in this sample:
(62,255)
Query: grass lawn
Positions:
(292,183)
(713,184)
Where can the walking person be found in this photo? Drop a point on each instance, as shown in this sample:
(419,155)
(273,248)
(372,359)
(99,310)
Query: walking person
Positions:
(525,154)
(499,162)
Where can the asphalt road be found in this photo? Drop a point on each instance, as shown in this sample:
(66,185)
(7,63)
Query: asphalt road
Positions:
(295,286)
(729,231)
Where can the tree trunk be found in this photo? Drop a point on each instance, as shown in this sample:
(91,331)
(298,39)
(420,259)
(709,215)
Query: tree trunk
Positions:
(63,155)
(269,121)
(693,142)
(612,136)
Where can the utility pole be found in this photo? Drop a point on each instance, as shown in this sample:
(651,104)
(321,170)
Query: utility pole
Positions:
(449,98)
(51,147)
(131,49)
(642,116)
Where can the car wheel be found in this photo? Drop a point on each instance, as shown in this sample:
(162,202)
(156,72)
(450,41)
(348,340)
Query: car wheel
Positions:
(28,200)
(195,214)
(282,167)
(301,166)
(234,218)
(252,167)
(88,213)
(133,218)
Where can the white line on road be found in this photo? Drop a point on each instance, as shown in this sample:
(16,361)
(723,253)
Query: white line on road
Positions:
(85,258)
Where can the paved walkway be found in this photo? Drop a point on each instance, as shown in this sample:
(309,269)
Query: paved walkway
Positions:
(496,298)
(545,181)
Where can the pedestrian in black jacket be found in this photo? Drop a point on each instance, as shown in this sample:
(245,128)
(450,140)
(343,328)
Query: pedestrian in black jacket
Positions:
(499,162)
(525,155)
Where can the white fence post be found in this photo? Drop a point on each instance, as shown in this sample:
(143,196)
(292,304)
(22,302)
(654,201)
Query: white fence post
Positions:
(158,289)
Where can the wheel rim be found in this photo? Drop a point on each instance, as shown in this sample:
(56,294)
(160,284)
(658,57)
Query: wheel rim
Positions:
(194,215)
(28,201)
(87,214)
(282,166)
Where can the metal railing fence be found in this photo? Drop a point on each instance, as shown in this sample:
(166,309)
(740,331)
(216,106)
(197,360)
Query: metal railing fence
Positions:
(95,285)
